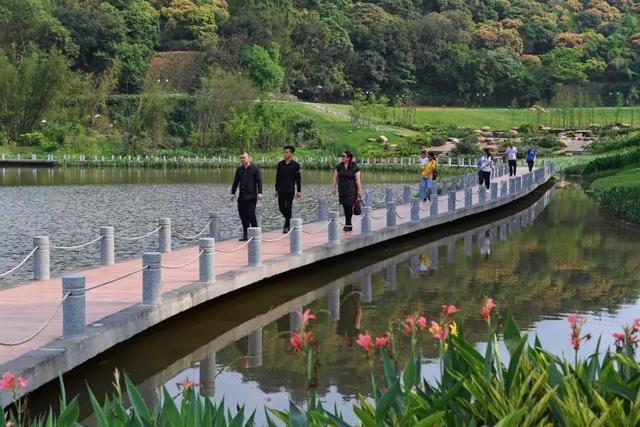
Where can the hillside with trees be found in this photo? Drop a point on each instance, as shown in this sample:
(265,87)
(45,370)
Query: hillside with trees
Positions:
(132,73)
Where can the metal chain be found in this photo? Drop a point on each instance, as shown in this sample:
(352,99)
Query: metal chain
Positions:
(174,267)
(384,215)
(195,236)
(116,279)
(318,230)
(33,251)
(77,246)
(140,237)
(236,249)
(39,331)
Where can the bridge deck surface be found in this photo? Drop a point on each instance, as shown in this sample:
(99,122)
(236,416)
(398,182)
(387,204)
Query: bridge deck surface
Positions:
(25,308)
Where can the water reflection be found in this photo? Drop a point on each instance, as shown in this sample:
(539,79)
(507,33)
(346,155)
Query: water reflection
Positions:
(549,258)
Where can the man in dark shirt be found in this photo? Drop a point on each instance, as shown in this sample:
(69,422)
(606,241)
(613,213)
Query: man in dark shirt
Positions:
(287,181)
(249,181)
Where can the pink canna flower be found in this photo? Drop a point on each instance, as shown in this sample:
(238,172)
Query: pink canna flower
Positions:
(421,322)
(636,324)
(573,320)
(8,381)
(488,307)
(185,384)
(619,336)
(383,341)
(438,332)
(364,341)
(306,316)
(448,310)
(295,341)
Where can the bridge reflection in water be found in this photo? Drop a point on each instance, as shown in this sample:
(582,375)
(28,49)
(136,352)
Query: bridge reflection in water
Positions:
(158,358)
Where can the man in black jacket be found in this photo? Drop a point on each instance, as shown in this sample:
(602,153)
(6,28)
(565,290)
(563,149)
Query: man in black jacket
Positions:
(250,182)
(287,181)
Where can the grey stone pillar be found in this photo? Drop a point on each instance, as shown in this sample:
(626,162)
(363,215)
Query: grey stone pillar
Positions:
(74,307)
(434,257)
(445,187)
(365,224)
(254,249)
(518,183)
(494,191)
(433,207)
(151,278)
(255,348)
(295,239)
(512,185)
(215,226)
(333,304)
(391,214)
(333,230)
(366,289)
(482,195)
(493,233)
(368,199)
(415,209)
(504,233)
(41,258)
(322,209)
(451,251)
(467,243)
(406,194)
(107,246)
(164,235)
(452,202)
(208,376)
(207,259)
(503,188)
(467,197)
(388,194)
(391,277)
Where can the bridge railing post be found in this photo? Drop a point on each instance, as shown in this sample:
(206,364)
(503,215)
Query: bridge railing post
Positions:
(494,191)
(322,208)
(74,306)
(333,234)
(254,249)
(41,258)
(406,194)
(107,246)
(451,207)
(518,183)
(151,278)
(433,207)
(482,195)
(415,209)
(368,199)
(164,235)
(295,243)
(391,214)
(503,188)
(468,197)
(207,266)
(388,194)
(365,224)
(512,185)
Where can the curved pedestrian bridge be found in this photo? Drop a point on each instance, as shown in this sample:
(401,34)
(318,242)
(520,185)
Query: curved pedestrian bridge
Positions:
(59,323)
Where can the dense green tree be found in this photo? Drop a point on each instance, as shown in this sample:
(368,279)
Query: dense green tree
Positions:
(263,66)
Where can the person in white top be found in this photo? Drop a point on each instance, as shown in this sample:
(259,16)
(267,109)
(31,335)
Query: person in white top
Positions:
(486,162)
(512,155)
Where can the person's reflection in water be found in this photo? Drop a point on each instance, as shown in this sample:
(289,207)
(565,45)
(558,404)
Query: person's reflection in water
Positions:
(350,315)
(484,241)
(425,262)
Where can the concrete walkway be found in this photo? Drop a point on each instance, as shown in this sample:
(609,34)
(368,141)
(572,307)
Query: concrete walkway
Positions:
(114,312)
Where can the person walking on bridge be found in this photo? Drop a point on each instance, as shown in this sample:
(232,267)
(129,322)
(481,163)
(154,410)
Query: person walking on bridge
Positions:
(346,178)
(531,157)
(288,180)
(512,155)
(427,170)
(249,180)
(485,163)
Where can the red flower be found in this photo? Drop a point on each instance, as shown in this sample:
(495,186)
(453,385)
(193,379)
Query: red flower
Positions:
(306,316)
(575,342)
(185,384)
(619,337)
(486,310)
(573,320)
(449,309)
(364,341)
(383,341)
(11,383)
(438,332)
(421,322)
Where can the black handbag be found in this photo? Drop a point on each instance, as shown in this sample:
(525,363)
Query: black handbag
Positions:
(357,207)
(434,175)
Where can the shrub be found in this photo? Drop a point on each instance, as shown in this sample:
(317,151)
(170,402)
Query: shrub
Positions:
(613,144)
(623,202)
(467,146)
(617,161)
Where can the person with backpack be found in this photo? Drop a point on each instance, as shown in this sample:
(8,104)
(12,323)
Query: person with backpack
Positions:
(485,164)
(531,157)
(512,155)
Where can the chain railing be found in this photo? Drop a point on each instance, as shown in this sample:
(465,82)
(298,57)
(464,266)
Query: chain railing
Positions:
(83,245)
(191,261)
(280,237)
(324,227)
(196,235)
(139,237)
(108,282)
(41,329)
(229,251)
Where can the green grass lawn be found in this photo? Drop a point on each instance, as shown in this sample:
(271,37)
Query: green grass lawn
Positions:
(505,118)
(624,178)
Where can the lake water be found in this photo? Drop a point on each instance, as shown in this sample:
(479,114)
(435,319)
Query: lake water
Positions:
(553,253)
(69,206)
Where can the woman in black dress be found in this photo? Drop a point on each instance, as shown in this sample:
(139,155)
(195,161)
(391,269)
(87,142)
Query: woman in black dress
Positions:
(347,178)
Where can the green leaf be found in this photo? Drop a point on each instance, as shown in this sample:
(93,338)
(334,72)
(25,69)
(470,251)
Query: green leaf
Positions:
(139,406)
(512,419)
(430,420)
(619,390)
(514,363)
(409,375)
(389,372)
(98,411)
(365,417)
(170,413)
(511,333)
(488,361)
(69,415)
(296,417)
(386,401)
